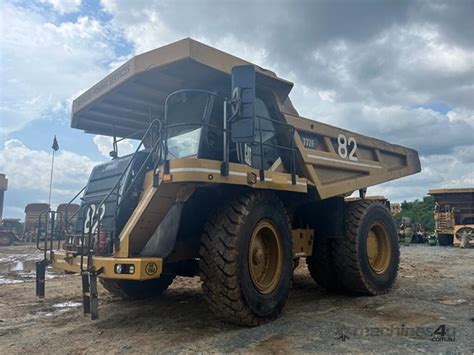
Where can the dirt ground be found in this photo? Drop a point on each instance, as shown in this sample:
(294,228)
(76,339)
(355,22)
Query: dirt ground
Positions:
(435,289)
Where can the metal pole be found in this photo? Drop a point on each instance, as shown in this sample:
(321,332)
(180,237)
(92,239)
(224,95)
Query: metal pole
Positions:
(262,173)
(51,180)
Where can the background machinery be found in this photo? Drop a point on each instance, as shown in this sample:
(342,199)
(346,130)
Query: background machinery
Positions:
(10,231)
(33,223)
(454,216)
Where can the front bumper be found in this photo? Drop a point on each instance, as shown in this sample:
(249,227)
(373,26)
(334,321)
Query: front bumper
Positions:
(144,268)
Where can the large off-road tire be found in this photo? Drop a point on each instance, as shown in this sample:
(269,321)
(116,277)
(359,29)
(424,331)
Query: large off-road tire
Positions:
(246,261)
(445,239)
(131,289)
(321,265)
(367,259)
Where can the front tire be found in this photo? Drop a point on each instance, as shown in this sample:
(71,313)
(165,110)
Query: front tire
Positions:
(367,259)
(246,260)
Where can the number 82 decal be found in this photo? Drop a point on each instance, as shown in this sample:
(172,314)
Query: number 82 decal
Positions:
(343,146)
(91,218)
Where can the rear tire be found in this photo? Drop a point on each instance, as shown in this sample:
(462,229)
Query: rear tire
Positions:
(131,289)
(445,239)
(321,265)
(367,259)
(246,263)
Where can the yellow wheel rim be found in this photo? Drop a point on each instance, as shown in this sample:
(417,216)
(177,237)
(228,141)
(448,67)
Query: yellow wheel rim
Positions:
(379,249)
(265,257)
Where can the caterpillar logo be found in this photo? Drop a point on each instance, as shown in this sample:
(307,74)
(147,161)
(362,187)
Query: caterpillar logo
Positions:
(151,269)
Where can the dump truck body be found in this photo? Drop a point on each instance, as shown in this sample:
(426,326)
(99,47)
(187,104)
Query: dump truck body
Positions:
(68,216)
(32,221)
(454,215)
(218,134)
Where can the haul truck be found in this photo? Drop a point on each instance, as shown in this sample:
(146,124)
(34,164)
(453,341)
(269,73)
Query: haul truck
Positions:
(454,215)
(228,182)
(32,228)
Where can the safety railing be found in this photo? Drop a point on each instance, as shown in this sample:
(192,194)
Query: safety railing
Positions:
(226,131)
(115,191)
(48,234)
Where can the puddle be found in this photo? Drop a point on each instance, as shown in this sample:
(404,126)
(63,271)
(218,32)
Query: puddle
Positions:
(58,308)
(16,268)
(4,281)
(67,305)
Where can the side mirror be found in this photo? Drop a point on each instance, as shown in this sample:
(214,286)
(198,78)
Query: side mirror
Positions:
(243,106)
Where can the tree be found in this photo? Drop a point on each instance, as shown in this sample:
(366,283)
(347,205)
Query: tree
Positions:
(419,212)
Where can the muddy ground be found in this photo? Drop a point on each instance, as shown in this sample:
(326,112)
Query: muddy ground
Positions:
(435,288)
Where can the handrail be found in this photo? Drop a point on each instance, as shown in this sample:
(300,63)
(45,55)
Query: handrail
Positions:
(96,215)
(129,163)
(67,220)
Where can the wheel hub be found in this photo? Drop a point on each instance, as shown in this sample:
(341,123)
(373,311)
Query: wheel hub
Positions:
(265,257)
(378,248)
(258,256)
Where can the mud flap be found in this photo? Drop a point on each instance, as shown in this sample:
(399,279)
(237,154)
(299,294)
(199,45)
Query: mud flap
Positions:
(162,241)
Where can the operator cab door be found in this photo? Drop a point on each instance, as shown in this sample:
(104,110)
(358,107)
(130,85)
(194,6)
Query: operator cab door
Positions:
(265,115)
(211,145)
(189,134)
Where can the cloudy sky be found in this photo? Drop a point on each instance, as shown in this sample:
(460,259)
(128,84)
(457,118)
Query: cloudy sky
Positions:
(402,71)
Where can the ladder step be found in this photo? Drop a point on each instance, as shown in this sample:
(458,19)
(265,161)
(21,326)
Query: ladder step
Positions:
(40,278)
(90,299)
(94,299)
(85,293)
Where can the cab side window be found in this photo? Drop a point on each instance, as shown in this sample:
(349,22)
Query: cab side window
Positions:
(267,136)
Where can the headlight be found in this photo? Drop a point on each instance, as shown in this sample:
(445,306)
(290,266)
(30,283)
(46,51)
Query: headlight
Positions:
(124,268)
(118,268)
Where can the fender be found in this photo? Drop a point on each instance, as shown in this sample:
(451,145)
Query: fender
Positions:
(162,242)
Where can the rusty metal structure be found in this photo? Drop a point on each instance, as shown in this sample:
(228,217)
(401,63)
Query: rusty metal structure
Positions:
(32,222)
(68,217)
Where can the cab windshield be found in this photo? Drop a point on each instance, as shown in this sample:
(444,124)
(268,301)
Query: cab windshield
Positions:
(186,111)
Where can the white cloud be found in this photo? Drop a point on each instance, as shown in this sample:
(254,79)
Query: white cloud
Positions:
(438,171)
(29,170)
(141,23)
(45,64)
(105,146)
(65,6)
